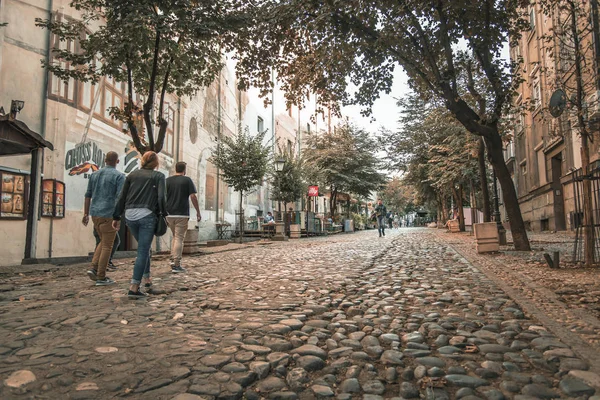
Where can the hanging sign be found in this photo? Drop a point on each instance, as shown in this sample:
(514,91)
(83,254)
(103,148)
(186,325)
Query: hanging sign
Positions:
(313,191)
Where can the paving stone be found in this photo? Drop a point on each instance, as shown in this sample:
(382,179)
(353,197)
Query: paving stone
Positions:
(311,350)
(575,388)
(409,390)
(466,381)
(373,387)
(20,378)
(322,391)
(215,360)
(539,391)
(350,386)
(270,384)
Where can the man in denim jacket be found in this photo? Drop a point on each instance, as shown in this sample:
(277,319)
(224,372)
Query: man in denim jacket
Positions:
(102,193)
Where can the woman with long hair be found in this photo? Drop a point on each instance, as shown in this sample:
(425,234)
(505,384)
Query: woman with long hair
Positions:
(142,199)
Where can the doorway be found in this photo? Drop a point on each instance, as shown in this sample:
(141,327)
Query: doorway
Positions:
(557,189)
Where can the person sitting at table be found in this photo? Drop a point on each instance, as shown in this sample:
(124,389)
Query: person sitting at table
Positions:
(269,219)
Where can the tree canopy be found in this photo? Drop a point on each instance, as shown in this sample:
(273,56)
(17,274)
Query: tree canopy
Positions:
(288,185)
(155,48)
(344,161)
(242,159)
(347,51)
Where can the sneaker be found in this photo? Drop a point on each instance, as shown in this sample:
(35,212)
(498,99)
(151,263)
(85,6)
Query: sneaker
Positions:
(104,282)
(178,270)
(92,275)
(136,295)
(111,266)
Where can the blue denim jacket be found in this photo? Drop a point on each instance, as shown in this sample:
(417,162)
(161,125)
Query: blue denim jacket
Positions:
(104,187)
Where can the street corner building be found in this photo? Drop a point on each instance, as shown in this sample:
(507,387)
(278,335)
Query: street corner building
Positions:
(66,130)
(549,149)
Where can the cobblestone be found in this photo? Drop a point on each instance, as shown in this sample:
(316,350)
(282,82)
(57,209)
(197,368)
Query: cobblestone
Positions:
(349,316)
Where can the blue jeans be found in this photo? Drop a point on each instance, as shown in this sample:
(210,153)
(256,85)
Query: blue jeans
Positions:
(143,231)
(381,225)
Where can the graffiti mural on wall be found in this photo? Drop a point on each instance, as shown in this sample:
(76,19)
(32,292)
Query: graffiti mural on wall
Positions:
(84,158)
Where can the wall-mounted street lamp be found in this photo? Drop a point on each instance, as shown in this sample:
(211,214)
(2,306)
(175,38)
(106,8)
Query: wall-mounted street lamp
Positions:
(279,164)
(15,107)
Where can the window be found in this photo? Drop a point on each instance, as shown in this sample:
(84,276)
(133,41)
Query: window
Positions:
(210,198)
(566,47)
(169,116)
(289,146)
(536,94)
(58,89)
(260,125)
(210,192)
(532,18)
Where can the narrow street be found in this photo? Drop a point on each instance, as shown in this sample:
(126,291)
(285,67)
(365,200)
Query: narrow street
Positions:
(346,316)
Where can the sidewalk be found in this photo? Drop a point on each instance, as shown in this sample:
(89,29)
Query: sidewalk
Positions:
(566,300)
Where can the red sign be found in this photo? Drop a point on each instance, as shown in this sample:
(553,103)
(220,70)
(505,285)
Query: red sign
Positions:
(313,191)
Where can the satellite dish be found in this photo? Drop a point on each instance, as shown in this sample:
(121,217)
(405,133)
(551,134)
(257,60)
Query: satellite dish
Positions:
(558,102)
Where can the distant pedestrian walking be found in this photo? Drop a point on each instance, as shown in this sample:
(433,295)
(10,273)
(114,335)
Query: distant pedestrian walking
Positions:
(142,199)
(103,188)
(180,190)
(381,213)
(396,221)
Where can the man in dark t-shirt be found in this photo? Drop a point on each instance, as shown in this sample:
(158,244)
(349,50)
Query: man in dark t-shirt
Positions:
(180,189)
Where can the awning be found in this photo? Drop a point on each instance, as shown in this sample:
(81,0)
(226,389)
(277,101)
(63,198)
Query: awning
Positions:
(16,138)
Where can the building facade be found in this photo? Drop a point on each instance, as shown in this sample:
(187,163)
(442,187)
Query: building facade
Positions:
(64,114)
(544,150)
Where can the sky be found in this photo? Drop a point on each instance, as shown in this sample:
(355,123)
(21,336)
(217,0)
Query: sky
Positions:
(385,111)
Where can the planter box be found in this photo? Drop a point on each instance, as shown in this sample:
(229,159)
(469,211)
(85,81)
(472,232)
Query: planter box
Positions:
(295,231)
(453,226)
(486,235)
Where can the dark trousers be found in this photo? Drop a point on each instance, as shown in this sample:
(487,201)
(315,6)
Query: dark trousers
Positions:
(116,244)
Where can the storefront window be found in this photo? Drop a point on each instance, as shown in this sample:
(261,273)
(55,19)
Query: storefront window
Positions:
(13,195)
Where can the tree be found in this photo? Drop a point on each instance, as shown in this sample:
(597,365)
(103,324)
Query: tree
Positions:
(328,46)
(573,44)
(288,185)
(156,48)
(344,161)
(398,196)
(243,162)
(438,157)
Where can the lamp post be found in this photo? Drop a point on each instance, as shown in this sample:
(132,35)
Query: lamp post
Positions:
(497,217)
(279,225)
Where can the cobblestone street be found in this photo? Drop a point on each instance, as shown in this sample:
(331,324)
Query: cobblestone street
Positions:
(347,317)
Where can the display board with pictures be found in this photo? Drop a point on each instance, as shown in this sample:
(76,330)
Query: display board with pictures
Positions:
(13,195)
(53,198)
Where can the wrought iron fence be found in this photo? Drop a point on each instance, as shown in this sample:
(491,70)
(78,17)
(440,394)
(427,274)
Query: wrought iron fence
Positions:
(577,220)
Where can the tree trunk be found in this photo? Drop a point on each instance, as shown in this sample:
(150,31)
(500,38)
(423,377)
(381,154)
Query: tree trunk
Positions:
(588,219)
(459,205)
(444,209)
(509,194)
(332,202)
(487,209)
(241,217)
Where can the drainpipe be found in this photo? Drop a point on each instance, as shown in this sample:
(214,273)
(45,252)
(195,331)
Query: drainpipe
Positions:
(596,33)
(178,137)
(272,122)
(218,141)
(38,162)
